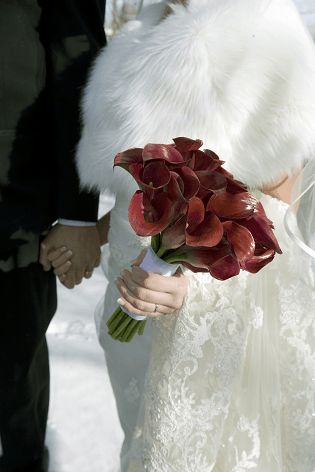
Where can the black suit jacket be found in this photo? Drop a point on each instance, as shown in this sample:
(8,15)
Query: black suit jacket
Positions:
(46,48)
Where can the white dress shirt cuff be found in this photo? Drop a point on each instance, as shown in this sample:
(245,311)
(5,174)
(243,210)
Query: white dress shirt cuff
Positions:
(62,221)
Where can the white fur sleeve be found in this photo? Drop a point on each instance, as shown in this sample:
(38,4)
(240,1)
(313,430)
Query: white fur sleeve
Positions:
(246,89)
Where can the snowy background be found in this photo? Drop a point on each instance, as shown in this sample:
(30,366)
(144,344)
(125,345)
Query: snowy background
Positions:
(83,432)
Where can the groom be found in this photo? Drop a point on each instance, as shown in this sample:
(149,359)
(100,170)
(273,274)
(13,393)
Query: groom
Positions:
(46,48)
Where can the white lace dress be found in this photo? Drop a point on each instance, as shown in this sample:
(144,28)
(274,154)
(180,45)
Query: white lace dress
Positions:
(231,379)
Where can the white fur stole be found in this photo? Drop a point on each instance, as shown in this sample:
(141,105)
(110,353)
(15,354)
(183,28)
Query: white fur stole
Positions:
(246,88)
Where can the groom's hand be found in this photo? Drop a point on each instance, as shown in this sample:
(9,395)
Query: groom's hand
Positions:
(84,243)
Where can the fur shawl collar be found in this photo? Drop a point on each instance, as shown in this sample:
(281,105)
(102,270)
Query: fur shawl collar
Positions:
(246,89)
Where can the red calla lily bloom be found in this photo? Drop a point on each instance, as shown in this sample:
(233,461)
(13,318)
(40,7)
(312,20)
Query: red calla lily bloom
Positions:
(257,262)
(148,218)
(199,259)
(242,241)
(225,268)
(126,158)
(233,206)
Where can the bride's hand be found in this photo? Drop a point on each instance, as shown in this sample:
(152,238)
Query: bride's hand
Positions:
(147,294)
(60,259)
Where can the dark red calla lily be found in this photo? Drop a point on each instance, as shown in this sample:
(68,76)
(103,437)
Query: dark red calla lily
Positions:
(152,178)
(196,214)
(233,206)
(148,218)
(163,152)
(262,232)
(256,263)
(242,241)
(174,235)
(259,211)
(126,158)
(199,259)
(208,233)
(205,160)
(190,182)
(186,146)
(234,186)
(210,182)
(225,268)
(175,189)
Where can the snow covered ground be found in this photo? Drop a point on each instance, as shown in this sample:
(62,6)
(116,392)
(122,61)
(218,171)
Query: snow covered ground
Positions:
(83,432)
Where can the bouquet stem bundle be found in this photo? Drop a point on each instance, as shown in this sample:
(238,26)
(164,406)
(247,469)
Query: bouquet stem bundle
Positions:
(122,327)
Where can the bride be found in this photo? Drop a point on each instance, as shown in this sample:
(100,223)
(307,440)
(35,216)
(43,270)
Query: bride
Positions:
(230,382)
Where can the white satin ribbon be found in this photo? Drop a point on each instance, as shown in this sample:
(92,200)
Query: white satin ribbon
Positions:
(152,263)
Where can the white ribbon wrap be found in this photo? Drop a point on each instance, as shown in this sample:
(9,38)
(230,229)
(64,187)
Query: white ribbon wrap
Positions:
(152,263)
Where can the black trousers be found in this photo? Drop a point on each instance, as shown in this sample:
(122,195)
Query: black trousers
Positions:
(28,302)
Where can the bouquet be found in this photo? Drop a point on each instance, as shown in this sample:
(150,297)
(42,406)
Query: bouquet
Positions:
(197,215)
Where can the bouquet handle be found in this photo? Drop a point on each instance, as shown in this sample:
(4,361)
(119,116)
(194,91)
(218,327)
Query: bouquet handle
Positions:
(153,263)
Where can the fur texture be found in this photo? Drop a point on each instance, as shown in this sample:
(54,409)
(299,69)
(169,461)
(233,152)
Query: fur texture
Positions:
(244,84)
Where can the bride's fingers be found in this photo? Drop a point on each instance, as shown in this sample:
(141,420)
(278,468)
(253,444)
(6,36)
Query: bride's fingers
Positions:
(61,270)
(57,259)
(139,259)
(62,278)
(138,306)
(160,283)
(146,295)
(52,255)
(175,286)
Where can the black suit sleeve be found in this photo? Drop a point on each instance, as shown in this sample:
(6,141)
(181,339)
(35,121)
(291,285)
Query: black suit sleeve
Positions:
(74,35)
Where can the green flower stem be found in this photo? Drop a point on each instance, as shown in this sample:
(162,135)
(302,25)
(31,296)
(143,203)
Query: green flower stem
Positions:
(142,326)
(114,329)
(122,327)
(116,321)
(131,329)
(133,332)
(161,252)
(171,258)
(155,242)
(115,316)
